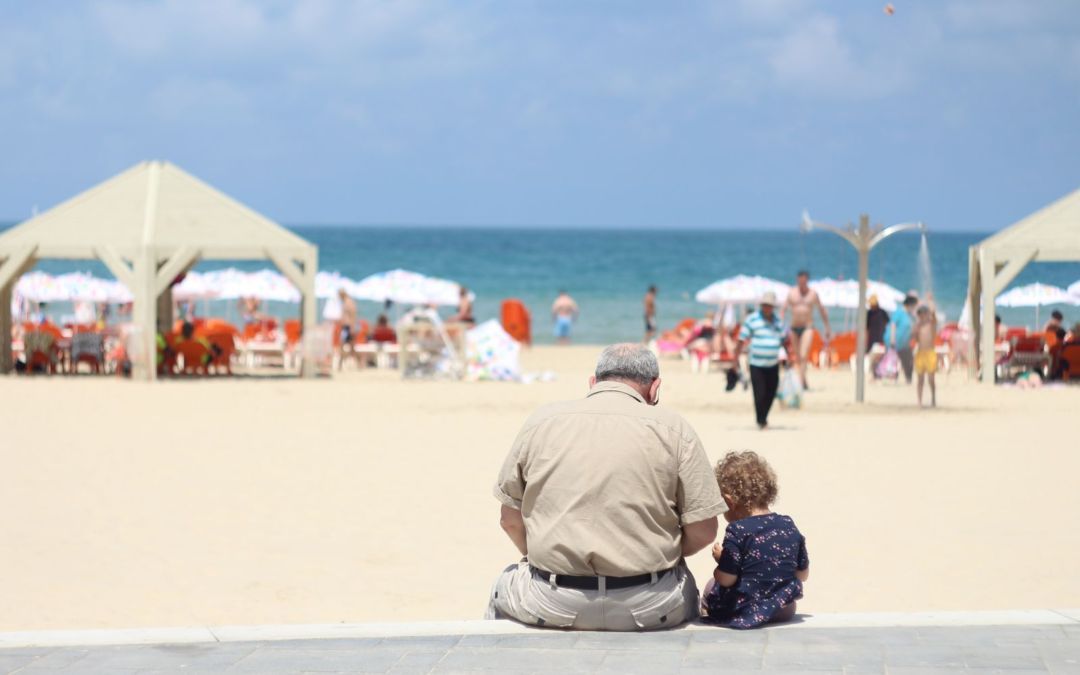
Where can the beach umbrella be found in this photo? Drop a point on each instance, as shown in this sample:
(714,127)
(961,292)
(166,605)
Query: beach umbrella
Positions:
(231,284)
(845,294)
(1036,295)
(71,287)
(41,287)
(327,285)
(195,286)
(405,287)
(741,289)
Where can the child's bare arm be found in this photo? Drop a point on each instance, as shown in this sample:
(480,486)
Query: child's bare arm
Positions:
(723,579)
(802,575)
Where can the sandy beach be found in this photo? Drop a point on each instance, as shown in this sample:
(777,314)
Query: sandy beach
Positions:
(368,498)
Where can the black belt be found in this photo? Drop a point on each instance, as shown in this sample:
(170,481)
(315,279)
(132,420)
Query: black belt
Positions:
(593,583)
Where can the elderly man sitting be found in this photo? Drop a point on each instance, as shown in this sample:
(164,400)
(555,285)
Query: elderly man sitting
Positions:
(605,496)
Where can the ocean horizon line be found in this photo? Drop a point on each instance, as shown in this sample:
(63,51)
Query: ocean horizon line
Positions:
(585,228)
(534,228)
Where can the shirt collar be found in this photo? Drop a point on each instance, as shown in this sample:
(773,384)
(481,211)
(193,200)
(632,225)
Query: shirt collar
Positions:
(775,317)
(612,385)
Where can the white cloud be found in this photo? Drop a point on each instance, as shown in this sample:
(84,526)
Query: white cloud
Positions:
(813,58)
(200,27)
(184,99)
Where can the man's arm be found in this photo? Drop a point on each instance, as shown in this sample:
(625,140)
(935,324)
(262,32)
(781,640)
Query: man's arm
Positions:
(696,536)
(514,526)
(739,343)
(824,315)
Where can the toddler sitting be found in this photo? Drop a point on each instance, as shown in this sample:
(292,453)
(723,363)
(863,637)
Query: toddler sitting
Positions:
(762,563)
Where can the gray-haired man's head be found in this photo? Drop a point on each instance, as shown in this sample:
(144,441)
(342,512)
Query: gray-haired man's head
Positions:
(632,363)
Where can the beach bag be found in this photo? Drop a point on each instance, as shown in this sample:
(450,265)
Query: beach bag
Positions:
(889,365)
(790,390)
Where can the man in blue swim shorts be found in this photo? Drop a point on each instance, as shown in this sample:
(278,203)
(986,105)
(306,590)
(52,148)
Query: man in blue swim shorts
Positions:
(563,311)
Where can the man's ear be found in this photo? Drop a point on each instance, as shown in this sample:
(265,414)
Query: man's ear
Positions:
(654,391)
(592,381)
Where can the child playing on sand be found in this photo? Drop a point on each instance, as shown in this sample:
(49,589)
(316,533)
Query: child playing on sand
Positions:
(925,352)
(762,563)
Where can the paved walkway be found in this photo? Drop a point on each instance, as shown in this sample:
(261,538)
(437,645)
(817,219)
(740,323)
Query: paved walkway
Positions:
(1017,648)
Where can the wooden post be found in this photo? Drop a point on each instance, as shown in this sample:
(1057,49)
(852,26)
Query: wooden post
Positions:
(989,326)
(7,361)
(16,265)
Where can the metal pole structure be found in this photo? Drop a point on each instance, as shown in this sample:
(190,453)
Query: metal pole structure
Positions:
(864,238)
(860,314)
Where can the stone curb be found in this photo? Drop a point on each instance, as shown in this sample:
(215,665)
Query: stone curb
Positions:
(264,633)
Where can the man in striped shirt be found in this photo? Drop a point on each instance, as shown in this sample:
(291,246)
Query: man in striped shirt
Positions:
(764,334)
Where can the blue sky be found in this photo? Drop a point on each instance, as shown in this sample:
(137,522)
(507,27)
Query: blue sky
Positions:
(566,113)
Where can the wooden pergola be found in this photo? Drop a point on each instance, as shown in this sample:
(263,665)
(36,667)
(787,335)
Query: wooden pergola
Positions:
(148,225)
(1051,234)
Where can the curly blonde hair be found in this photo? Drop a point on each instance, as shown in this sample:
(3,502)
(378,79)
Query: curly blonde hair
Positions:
(747,478)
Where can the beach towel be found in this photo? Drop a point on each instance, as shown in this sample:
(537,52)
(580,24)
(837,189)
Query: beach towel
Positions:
(491,353)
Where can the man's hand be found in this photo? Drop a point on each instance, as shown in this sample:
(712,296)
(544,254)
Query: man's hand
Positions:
(696,536)
(514,526)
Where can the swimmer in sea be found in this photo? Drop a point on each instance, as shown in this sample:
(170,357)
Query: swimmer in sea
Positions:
(564,310)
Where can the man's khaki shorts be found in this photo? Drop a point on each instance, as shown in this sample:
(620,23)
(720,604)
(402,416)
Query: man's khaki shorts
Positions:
(521,594)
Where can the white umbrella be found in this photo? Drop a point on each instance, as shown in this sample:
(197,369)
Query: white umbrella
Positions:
(231,283)
(327,284)
(1036,295)
(845,294)
(741,289)
(405,287)
(195,286)
(71,287)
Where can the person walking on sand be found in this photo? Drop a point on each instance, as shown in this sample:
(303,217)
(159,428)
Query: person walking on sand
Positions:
(605,497)
(877,319)
(650,313)
(900,327)
(761,336)
(802,300)
(925,349)
(564,311)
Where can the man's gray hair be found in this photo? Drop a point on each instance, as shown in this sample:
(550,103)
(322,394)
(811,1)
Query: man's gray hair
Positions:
(631,361)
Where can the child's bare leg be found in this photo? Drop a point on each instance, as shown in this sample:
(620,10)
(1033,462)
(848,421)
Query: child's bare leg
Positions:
(933,391)
(786,613)
(919,387)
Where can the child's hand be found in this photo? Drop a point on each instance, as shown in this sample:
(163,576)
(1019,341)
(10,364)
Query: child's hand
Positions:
(717,549)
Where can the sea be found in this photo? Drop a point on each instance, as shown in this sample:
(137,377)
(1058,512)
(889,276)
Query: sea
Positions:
(607,271)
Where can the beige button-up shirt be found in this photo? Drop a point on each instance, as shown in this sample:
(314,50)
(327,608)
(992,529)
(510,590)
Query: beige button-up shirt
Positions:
(605,483)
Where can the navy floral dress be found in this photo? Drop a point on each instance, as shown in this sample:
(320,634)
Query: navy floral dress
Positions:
(763,552)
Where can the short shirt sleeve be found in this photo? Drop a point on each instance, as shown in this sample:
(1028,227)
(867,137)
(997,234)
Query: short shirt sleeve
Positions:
(744,331)
(803,561)
(698,494)
(731,558)
(510,485)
